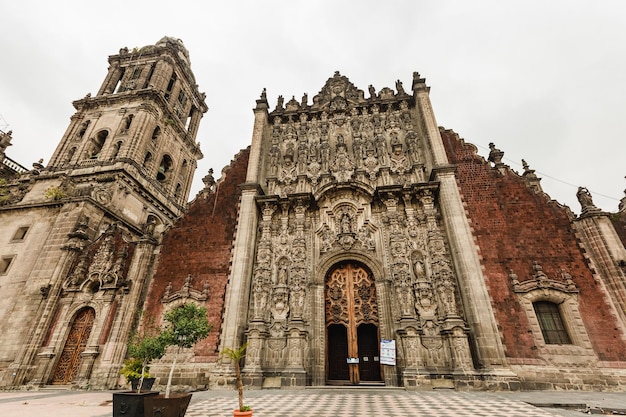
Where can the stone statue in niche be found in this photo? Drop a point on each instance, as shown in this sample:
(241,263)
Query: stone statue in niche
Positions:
(357,149)
(327,239)
(342,167)
(297,301)
(371,162)
(419,267)
(274,154)
(325,154)
(346,223)
(260,295)
(381,149)
(404,293)
(282,274)
(446,289)
(412,147)
(303,156)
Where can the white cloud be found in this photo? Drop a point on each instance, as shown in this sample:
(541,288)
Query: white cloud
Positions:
(543,80)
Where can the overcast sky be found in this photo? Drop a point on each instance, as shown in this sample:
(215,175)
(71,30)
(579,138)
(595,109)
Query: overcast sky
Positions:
(543,80)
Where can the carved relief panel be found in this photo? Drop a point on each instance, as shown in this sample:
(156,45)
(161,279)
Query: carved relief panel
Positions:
(342,138)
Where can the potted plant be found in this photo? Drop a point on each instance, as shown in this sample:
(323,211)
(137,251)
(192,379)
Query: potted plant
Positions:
(236,355)
(138,379)
(185,326)
(143,348)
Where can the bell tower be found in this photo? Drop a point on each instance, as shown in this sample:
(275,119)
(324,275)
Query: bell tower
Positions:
(87,226)
(142,125)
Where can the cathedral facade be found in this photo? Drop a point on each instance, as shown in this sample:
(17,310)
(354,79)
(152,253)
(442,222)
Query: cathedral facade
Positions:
(353,242)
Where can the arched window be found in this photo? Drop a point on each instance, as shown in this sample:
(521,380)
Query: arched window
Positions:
(147,161)
(97,144)
(183,170)
(164,168)
(156,132)
(83,129)
(551,323)
(177,191)
(116,149)
(126,123)
(70,155)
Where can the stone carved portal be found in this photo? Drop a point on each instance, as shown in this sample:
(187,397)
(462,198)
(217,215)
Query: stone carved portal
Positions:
(351,325)
(69,362)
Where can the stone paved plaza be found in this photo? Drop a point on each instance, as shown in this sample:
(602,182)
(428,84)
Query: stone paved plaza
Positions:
(331,402)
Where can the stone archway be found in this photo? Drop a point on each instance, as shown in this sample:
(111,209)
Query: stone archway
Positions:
(352,325)
(69,361)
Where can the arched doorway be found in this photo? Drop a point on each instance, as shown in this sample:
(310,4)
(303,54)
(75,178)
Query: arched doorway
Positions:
(69,362)
(352,336)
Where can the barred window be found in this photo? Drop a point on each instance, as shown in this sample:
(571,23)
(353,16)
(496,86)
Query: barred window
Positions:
(551,323)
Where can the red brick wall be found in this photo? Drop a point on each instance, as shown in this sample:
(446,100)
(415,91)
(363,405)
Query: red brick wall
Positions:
(515,226)
(200,244)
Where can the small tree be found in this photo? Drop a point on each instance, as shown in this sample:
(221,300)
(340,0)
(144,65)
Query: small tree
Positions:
(186,325)
(144,347)
(236,355)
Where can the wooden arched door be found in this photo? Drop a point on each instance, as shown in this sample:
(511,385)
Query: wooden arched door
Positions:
(69,362)
(352,341)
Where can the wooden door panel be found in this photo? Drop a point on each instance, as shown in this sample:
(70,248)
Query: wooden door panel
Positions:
(69,360)
(337,353)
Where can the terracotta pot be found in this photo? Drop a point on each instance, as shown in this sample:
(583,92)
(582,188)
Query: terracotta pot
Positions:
(237,413)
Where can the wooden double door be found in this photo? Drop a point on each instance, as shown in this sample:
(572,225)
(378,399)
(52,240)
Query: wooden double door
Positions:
(69,362)
(352,337)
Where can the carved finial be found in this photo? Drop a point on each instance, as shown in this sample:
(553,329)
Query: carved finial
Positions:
(305,99)
(531,178)
(168,290)
(495,154)
(261,103)
(418,82)
(208,180)
(568,279)
(538,274)
(37,167)
(279,103)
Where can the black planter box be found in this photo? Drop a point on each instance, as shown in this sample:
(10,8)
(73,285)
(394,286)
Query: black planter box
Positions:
(130,403)
(147,384)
